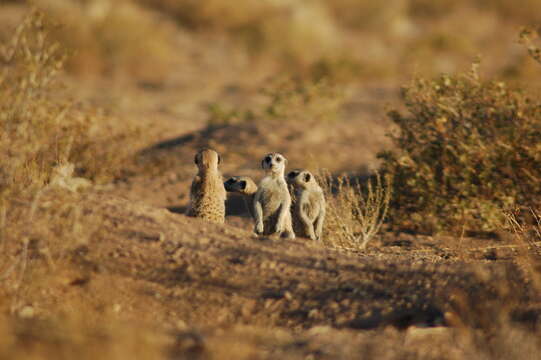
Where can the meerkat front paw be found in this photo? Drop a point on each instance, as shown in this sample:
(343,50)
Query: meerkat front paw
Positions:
(258,229)
(288,234)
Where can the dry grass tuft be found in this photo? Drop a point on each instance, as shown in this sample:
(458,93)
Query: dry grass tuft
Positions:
(41,125)
(355,211)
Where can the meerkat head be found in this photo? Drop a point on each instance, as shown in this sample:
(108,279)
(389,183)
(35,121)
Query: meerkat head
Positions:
(207,159)
(301,178)
(241,185)
(274,163)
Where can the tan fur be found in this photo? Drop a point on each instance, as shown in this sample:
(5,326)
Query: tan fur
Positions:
(308,207)
(207,193)
(272,201)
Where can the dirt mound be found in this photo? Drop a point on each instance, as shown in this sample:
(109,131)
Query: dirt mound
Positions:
(149,266)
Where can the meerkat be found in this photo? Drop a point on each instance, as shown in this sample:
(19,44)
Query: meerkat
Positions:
(308,208)
(272,201)
(207,193)
(244,186)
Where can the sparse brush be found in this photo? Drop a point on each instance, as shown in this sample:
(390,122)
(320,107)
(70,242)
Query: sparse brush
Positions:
(355,211)
(40,125)
(35,133)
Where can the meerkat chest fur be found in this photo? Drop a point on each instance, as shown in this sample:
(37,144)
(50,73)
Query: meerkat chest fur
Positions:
(312,205)
(308,209)
(273,193)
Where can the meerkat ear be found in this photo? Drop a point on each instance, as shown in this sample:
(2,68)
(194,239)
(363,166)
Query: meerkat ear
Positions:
(307,177)
(219,159)
(195,160)
(242,184)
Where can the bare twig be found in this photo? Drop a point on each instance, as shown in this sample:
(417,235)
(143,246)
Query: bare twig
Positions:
(356,212)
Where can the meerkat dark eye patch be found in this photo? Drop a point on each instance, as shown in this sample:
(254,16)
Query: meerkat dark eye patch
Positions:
(278,159)
(307,177)
(268,159)
(230,181)
(242,185)
(293,174)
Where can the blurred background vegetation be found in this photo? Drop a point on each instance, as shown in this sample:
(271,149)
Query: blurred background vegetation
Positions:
(349,40)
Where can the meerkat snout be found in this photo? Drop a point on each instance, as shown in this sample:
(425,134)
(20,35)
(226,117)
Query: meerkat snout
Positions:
(244,186)
(236,183)
(229,182)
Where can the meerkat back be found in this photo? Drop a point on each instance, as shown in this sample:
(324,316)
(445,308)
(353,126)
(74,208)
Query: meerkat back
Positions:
(207,193)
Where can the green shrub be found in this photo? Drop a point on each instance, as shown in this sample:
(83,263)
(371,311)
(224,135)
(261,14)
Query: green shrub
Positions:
(465,150)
